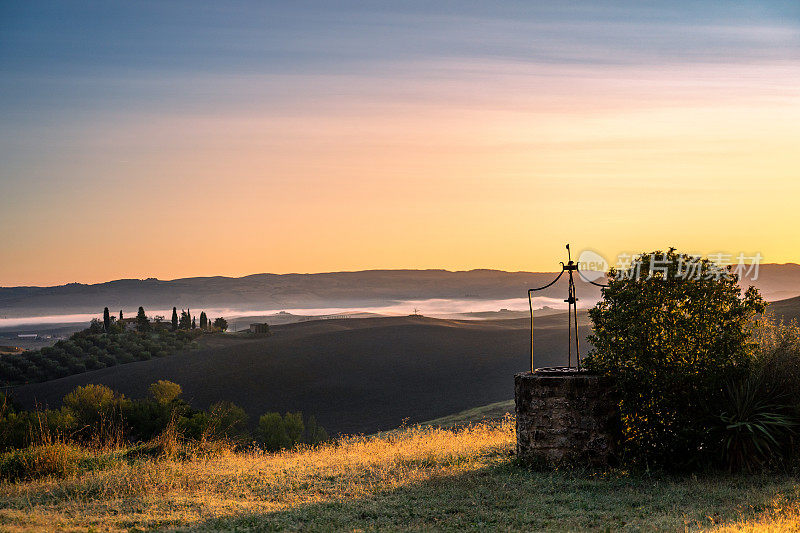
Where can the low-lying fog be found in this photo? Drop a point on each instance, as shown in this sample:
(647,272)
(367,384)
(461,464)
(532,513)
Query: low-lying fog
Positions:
(442,308)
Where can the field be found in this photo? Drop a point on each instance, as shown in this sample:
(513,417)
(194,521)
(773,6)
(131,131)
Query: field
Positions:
(355,375)
(418,478)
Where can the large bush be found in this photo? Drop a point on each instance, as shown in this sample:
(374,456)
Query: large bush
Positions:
(276,433)
(673,332)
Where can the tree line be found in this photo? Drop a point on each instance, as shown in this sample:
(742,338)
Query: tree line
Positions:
(184,321)
(96,415)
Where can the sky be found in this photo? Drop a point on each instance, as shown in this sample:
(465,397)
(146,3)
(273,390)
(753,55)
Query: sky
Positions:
(176,139)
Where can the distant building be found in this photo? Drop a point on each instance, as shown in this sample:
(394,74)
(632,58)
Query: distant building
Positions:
(129,324)
(259,329)
(28,335)
(161,324)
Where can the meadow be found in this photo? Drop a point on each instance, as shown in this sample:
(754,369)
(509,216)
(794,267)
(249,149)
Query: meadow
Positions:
(419,478)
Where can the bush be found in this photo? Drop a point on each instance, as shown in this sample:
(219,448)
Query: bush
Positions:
(223,421)
(97,413)
(144,419)
(164,391)
(226,420)
(672,342)
(277,433)
(272,432)
(760,420)
(88,429)
(757,425)
(57,459)
(315,434)
(778,355)
(295,429)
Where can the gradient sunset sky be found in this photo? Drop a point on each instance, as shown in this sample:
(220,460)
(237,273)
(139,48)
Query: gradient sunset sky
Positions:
(175,139)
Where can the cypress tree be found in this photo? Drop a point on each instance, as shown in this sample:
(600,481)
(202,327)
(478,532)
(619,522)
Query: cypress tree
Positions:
(106,319)
(203,320)
(142,323)
(120,315)
(194,323)
(174,318)
(185,321)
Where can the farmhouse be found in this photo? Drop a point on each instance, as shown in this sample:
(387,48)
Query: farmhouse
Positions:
(259,329)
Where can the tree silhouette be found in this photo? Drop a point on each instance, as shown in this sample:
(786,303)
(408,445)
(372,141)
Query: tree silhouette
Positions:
(185,321)
(106,319)
(174,318)
(142,322)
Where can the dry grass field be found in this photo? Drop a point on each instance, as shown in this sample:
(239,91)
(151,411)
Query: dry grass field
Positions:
(420,478)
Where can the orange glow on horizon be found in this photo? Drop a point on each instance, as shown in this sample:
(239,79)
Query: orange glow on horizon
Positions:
(457,173)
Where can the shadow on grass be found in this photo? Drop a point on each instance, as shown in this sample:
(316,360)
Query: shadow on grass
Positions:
(508,497)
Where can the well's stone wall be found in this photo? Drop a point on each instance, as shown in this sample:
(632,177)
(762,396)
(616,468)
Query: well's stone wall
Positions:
(566,417)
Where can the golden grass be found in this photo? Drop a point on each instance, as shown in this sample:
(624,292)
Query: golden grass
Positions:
(160,492)
(781,516)
(419,478)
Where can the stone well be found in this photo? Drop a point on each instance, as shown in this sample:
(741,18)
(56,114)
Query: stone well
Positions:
(565,416)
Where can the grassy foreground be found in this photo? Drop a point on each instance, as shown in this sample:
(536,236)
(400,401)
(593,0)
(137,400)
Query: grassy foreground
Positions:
(418,478)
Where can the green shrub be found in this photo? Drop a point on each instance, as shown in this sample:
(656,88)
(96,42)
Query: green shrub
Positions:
(125,357)
(315,434)
(760,421)
(277,433)
(295,429)
(778,355)
(144,419)
(226,420)
(272,432)
(672,342)
(757,425)
(97,412)
(57,459)
(164,391)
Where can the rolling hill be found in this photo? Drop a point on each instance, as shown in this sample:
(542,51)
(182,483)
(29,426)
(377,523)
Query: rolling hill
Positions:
(333,289)
(788,309)
(354,375)
(276,291)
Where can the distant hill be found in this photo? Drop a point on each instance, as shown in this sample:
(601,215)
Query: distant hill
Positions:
(777,282)
(278,291)
(788,309)
(354,375)
(342,289)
